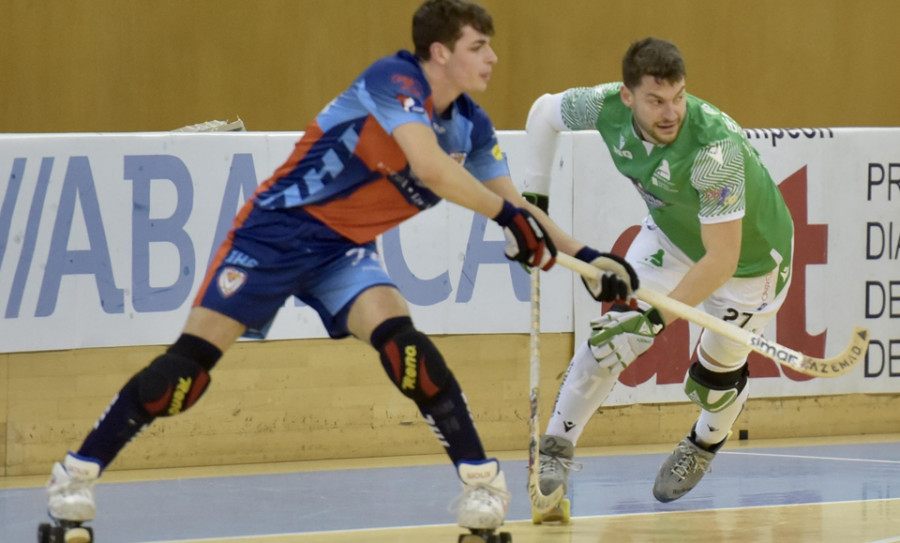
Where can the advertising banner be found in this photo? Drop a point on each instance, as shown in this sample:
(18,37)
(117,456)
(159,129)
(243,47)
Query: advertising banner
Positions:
(105,238)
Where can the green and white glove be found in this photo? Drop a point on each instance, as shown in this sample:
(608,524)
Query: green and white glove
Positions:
(619,337)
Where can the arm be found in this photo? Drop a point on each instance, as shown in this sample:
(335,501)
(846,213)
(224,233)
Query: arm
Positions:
(441,174)
(618,337)
(543,126)
(528,242)
(619,279)
(504,187)
(723,248)
(574,109)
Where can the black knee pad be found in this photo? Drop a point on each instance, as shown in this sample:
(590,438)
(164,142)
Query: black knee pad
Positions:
(411,360)
(172,383)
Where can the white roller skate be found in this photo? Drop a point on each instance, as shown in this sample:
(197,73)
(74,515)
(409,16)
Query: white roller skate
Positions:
(482,506)
(70,492)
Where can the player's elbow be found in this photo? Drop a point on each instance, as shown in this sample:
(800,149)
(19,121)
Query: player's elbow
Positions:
(545,114)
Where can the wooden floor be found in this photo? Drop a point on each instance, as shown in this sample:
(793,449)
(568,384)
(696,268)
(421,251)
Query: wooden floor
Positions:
(844,522)
(805,490)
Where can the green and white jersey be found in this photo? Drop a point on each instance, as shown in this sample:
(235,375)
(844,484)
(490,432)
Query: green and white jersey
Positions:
(709,174)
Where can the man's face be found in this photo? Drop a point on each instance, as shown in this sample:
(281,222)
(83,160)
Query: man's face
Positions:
(470,64)
(658,107)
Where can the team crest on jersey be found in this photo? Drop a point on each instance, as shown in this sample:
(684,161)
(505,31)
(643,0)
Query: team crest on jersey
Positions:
(459,156)
(230,280)
(410,104)
(662,177)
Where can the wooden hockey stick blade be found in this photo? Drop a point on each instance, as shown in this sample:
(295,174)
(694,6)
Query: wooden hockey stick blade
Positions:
(808,365)
(543,504)
(539,502)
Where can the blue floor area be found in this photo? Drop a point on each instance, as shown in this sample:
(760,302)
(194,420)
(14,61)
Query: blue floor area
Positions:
(219,507)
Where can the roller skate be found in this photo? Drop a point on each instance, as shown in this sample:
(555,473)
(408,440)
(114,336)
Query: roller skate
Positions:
(684,468)
(556,454)
(482,506)
(71,501)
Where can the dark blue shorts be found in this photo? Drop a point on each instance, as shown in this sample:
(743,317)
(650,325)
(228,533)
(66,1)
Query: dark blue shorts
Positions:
(274,254)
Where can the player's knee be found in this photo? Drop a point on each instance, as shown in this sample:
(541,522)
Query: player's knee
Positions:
(714,391)
(174,381)
(411,360)
(170,385)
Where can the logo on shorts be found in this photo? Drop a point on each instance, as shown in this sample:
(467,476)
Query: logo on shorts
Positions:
(230,280)
(656,259)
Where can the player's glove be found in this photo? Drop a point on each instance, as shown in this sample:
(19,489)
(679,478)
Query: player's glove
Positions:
(617,338)
(543,203)
(528,243)
(619,280)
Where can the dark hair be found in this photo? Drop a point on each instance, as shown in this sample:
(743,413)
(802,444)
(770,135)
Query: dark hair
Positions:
(652,56)
(442,21)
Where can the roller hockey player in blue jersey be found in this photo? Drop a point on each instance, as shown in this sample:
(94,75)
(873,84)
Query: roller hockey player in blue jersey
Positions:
(402,137)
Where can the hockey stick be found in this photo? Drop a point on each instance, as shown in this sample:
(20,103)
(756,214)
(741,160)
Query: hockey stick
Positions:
(539,502)
(816,367)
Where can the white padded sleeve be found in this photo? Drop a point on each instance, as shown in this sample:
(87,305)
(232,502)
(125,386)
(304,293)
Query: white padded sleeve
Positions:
(544,124)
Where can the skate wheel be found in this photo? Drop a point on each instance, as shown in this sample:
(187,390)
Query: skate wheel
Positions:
(485,536)
(45,533)
(566,509)
(79,535)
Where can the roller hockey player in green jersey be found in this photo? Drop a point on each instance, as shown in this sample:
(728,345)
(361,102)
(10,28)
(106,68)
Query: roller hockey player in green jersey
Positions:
(718,233)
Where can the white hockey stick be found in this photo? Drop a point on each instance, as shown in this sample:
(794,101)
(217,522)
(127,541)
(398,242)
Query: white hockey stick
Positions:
(539,502)
(816,367)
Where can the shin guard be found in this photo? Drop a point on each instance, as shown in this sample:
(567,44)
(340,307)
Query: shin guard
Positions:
(417,368)
(172,383)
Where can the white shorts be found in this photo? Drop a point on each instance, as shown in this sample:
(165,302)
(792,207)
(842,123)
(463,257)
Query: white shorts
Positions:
(748,302)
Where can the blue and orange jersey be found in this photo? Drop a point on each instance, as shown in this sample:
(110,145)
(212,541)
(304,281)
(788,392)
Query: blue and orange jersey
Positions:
(348,171)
